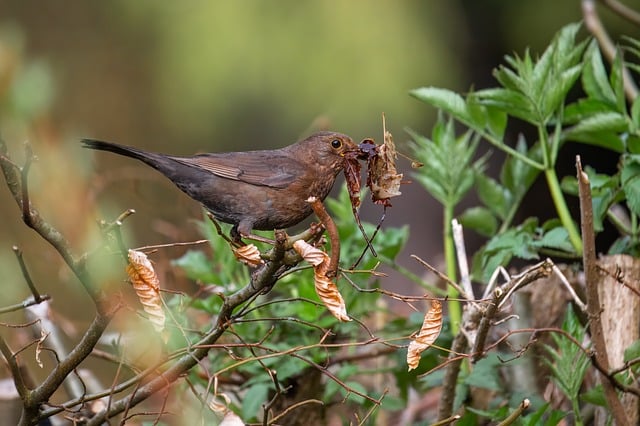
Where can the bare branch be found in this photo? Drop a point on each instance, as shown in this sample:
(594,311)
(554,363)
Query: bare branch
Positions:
(593,299)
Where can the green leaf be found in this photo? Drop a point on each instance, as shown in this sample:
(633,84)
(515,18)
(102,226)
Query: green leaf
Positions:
(632,351)
(585,108)
(635,112)
(443,99)
(449,168)
(617,82)
(253,400)
(630,180)
(557,238)
(485,373)
(595,396)
(493,195)
(594,77)
(516,175)
(509,102)
(197,266)
(480,219)
(567,361)
(600,122)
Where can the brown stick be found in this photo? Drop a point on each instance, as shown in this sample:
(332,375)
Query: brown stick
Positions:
(593,299)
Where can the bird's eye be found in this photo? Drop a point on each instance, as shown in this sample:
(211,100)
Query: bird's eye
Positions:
(336,143)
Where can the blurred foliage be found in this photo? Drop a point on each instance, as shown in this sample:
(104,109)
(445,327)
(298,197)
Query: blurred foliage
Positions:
(264,66)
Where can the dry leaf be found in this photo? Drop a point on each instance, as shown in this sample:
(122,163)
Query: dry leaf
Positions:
(229,418)
(382,177)
(328,292)
(309,253)
(249,255)
(326,289)
(428,334)
(147,286)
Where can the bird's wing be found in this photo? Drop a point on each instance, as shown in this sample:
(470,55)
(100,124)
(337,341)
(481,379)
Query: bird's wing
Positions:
(273,170)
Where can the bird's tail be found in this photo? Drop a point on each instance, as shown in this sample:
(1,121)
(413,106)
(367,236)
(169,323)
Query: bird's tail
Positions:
(127,151)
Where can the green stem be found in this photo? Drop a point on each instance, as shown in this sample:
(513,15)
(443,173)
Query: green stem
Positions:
(506,148)
(455,313)
(563,210)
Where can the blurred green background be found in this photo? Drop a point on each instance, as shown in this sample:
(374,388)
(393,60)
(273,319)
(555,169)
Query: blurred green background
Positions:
(183,77)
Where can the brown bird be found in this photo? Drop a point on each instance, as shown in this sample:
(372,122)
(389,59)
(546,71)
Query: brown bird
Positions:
(262,190)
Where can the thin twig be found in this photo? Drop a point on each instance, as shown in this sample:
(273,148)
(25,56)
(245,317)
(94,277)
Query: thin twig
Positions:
(623,11)
(27,277)
(445,278)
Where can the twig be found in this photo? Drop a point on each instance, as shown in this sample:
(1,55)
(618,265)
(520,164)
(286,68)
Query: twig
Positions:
(461,253)
(593,299)
(27,277)
(293,407)
(262,279)
(445,278)
(157,246)
(332,230)
(516,413)
(450,380)
(623,11)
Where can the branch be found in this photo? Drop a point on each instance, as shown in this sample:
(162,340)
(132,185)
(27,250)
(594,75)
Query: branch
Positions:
(261,281)
(16,180)
(593,299)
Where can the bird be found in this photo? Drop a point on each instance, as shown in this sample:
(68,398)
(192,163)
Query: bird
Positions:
(253,190)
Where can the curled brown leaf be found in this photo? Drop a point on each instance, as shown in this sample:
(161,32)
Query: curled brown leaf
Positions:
(382,177)
(249,255)
(326,289)
(147,287)
(428,334)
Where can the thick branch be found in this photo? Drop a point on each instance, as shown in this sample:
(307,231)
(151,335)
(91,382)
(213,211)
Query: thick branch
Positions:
(593,299)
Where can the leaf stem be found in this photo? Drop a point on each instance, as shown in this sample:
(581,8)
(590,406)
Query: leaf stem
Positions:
(562,209)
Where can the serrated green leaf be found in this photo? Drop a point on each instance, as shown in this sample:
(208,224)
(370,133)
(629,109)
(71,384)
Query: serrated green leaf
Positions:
(600,122)
(608,140)
(617,82)
(594,77)
(509,79)
(449,168)
(557,238)
(480,219)
(493,195)
(443,99)
(585,108)
(630,181)
(516,175)
(509,102)
(556,92)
